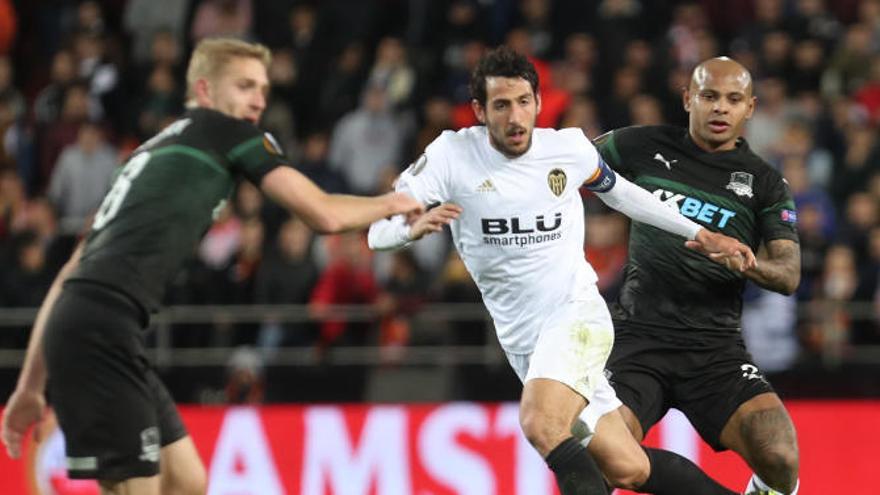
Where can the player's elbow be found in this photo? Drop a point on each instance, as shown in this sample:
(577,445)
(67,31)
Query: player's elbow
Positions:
(791,284)
(328,225)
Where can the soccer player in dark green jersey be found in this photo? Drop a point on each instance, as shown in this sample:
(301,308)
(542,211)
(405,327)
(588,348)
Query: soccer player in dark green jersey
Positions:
(677,319)
(121,426)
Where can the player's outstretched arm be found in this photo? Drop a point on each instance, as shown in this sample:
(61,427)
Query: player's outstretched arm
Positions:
(27,403)
(331,213)
(398,231)
(640,205)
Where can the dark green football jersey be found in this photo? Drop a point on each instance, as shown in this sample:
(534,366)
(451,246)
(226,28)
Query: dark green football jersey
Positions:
(734,192)
(165,198)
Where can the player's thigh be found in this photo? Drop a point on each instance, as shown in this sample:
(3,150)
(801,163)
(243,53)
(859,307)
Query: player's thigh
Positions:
(99,388)
(182,471)
(574,344)
(758,426)
(715,385)
(639,369)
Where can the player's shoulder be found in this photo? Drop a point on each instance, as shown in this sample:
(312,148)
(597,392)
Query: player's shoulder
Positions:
(757,165)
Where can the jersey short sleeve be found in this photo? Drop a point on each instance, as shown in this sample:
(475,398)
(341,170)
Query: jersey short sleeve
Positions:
(777,217)
(250,152)
(426,179)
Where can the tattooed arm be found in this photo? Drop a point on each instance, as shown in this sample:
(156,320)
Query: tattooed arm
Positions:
(779,266)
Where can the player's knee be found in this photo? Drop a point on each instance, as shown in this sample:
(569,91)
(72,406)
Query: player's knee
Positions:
(544,431)
(778,461)
(627,473)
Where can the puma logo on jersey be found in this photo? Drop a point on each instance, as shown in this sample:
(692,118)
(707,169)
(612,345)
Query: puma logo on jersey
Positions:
(664,161)
(486,186)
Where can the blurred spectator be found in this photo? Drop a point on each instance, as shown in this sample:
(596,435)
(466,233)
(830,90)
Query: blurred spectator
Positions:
(26,284)
(774,55)
(437,116)
(348,279)
(797,141)
(767,124)
(615,110)
(829,325)
(16,144)
(62,132)
(365,141)
(805,74)
(689,25)
(221,18)
(49,101)
(768,327)
(144,19)
(814,244)
(341,88)
(82,177)
(405,290)
(161,102)
(812,20)
(101,73)
(245,377)
(857,165)
(868,95)
(392,71)
(850,64)
(43,221)
(605,247)
(671,100)
(862,212)
(315,165)
(536,21)
(8,91)
(287,276)
(278,118)
(582,113)
(13,203)
(455,285)
(645,110)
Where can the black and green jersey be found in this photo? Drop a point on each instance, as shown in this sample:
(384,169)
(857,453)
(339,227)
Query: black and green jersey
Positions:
(165,197)
(734,192)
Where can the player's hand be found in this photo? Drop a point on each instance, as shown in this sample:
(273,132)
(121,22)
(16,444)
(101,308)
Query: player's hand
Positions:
(723,249)
(402,203)
(734,263)
(432,220)
(24,409)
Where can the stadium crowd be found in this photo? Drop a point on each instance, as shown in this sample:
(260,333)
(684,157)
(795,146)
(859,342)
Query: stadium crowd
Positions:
(360,87)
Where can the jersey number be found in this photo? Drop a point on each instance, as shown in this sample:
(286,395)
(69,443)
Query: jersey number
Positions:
(113,201)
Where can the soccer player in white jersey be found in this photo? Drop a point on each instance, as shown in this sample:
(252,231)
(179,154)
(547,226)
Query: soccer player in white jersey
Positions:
(510,195)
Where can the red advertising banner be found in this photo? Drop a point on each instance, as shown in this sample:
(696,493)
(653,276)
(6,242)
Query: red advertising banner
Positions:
(440,449)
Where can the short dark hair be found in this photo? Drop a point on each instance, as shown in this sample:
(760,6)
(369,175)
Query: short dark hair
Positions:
(501,62)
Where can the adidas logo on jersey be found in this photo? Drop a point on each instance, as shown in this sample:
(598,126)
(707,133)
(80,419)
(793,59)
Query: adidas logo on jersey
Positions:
(486,186)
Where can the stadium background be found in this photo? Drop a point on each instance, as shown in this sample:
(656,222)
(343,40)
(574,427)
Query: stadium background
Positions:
(281,344)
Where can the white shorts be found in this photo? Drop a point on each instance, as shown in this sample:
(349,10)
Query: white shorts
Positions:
(572,348)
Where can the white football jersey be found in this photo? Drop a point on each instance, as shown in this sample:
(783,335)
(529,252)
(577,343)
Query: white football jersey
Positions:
(521,232)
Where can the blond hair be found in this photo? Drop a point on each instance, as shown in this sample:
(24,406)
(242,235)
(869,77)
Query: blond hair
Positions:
(211,55)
